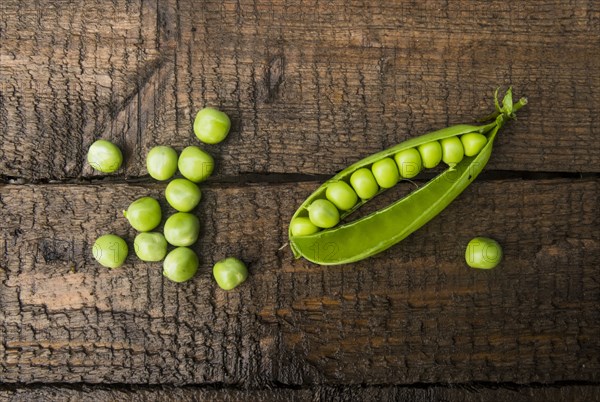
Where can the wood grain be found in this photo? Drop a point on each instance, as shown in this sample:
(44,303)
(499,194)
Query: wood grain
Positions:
(414,314)
(321,393)
(311,86)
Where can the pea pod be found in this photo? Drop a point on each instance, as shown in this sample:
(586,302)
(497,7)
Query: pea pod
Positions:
(367,236)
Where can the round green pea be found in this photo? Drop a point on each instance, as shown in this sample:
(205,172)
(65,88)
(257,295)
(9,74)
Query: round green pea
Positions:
(473,143)
(110,251)
(230,273)
(483,253)
(323,213)
(104,156)
(302,227)
(161,162)
(195,164)
(386,172)
(364,183)
(342,195)
(431,154)
(144,214)
(182,229)
(452,151)
(183,195)
(409,162)
(181,264)
(211,126)
(150,246)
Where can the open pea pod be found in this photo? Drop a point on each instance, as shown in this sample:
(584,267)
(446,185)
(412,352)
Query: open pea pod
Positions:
(382,229)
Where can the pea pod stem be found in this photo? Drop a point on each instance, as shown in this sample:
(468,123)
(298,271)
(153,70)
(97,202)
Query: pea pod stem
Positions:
(380,230)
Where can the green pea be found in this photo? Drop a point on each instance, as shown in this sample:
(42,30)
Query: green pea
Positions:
(195,164)
(386,172)
(473,143)
(364,183)
(483,253)
(230,273)
(181,264)
(110,251)
(182,229)
(323,213)
(144,214)
(104,156)
(150,246)
(302,226)
(431,154)
(452,151)
(409,162)
(342,195)
(211,126)
(161,162)
(183,195)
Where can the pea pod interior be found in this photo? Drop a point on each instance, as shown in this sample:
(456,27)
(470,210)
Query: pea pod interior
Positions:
(380,230)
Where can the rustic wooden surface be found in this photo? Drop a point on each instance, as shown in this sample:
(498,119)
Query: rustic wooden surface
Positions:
(311,87)
(320,393)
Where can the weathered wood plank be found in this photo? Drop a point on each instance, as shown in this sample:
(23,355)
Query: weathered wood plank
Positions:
(415,313)
(310,86)
(65,73)
(321,393)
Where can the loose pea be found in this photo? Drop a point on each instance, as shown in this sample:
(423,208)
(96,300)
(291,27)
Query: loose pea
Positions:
(195,164)
(452,151)
(386,172)
(431,154)
(230,273)
(302,226)
(110,251)
(483,252)
(144,214)
(409,162)
(180,265)
(323,213)
(473,143)
(183,195)
(364,183)
(150,246)
(104,156)
(211,126)
(182,229)
(342,195)
(161,162)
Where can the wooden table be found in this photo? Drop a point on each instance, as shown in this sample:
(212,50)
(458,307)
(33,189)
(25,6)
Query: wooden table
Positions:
(311,86)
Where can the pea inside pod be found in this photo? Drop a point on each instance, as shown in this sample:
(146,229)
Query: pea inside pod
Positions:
(369,235)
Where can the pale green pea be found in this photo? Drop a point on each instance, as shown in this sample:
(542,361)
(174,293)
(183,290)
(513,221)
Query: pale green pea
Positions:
(323,213)
(110,251)
(230,273)
(409,162)
(364,183)
(342,195)
(211,126)
(144,214)
(386,172)
(104,156)
(452,151)
(161,162)
(182,229)
(483,253)
(195,164)
(183,195)
(181,264)
(473,143)
(431,154)
(150,246)
(302,226)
